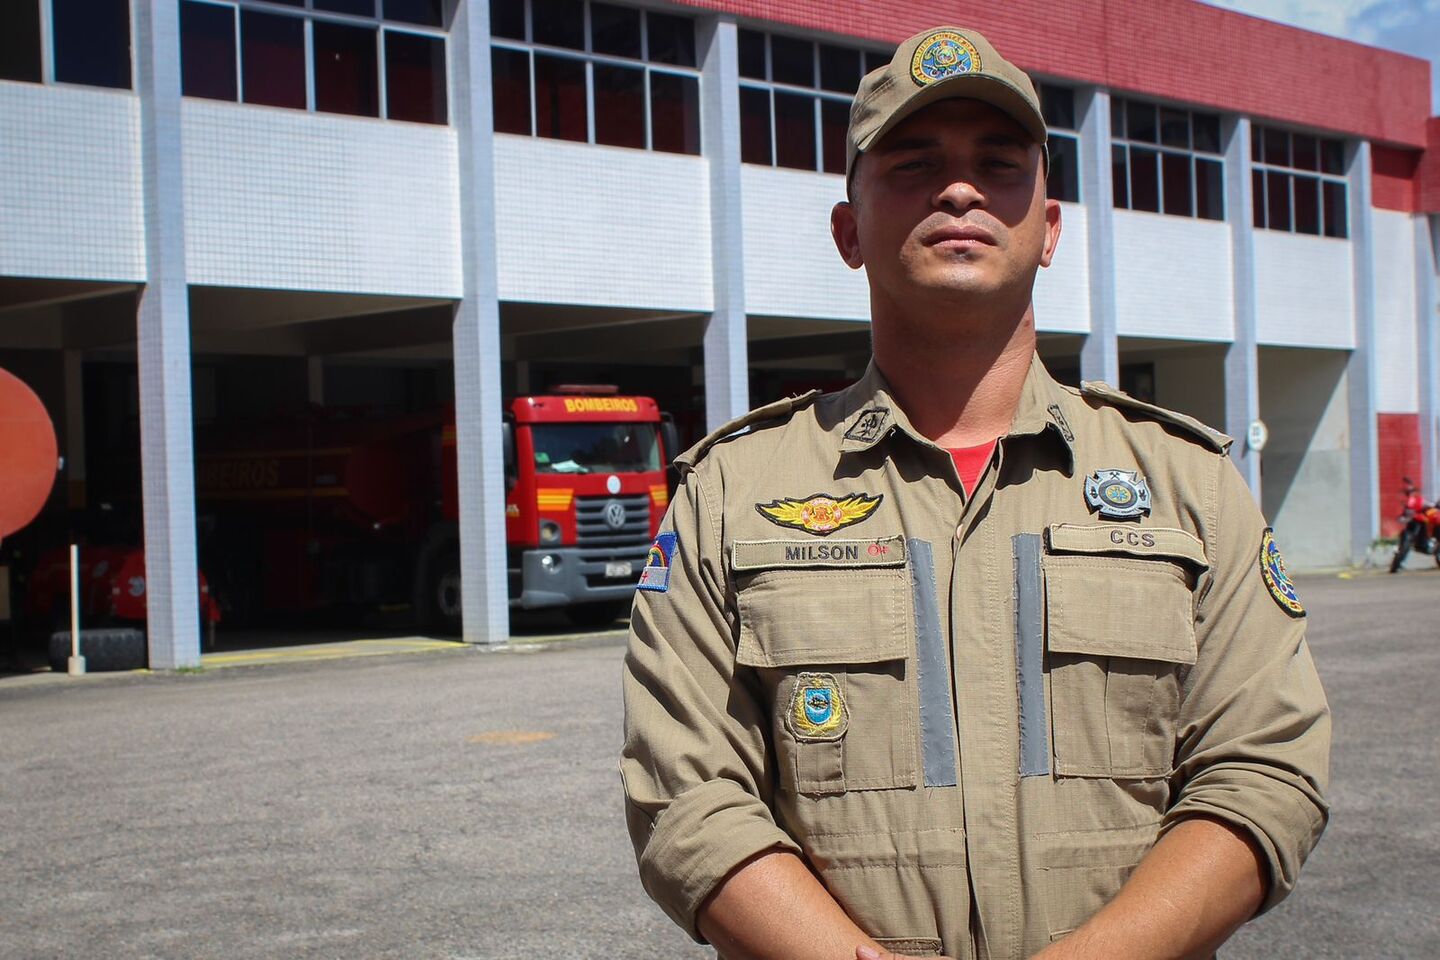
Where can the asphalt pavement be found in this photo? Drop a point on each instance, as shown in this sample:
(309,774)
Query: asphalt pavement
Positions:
(456,803)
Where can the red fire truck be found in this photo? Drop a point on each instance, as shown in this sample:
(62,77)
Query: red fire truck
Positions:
(337,511)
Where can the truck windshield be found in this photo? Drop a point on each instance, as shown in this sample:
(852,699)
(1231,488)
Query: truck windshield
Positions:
(595,448)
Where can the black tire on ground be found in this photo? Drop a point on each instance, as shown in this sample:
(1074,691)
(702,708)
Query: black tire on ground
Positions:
(111,649)
(597,614)
(439,600)
(1402,549)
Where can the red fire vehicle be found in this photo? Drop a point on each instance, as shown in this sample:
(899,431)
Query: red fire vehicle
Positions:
(336,510)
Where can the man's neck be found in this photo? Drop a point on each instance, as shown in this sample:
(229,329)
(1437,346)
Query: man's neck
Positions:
(959,390)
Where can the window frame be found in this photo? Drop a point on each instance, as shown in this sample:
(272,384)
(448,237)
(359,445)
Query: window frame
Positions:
(309,14)
(530,48)
(46,39)
(1122,144)
(1263,171)
(815,92)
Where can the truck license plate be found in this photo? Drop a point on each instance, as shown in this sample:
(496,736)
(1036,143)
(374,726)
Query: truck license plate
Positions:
(618,568)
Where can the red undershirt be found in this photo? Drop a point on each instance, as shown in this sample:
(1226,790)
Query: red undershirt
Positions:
(970,463)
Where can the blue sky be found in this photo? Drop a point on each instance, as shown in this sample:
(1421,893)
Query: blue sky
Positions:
(1409,26)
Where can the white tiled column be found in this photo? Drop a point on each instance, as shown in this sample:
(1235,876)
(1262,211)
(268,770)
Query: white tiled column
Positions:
(167,465)
(1100,356)
(1242,362)
(727,372)
(485,609)
(1361,373)
(1427,341)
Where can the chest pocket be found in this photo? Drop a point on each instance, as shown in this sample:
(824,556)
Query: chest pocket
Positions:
(833,651)
(1119,629)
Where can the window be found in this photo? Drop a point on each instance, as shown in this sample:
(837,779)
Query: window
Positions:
(207,55)
(92,42)
(334,56)
(89,42)
(1166,160)
(595,73)
(795,99)
(1057,104)
(20,40)
(1299,182)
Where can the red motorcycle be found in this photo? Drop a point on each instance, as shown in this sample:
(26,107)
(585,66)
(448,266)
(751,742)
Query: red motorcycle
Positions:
(1421,522)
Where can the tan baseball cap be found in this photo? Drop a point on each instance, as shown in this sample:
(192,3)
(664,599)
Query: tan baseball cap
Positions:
(938,64)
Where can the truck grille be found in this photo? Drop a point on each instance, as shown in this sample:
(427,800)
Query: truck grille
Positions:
(592,527)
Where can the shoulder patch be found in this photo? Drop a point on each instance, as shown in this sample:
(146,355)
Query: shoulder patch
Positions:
(1276,577)
(771,411)
(1213,439)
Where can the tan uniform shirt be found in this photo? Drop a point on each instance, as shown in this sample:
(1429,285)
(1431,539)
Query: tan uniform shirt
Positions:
(971,716)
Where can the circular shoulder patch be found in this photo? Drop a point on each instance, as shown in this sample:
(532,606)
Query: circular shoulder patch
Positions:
(1277,579)
(943,54)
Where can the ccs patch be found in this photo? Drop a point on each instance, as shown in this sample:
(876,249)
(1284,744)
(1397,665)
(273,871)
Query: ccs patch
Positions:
(817,708)
(1277,578)
(821,514)
(656,573)
(941,55)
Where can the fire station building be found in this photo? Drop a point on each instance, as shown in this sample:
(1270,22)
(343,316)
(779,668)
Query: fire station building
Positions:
(220,209)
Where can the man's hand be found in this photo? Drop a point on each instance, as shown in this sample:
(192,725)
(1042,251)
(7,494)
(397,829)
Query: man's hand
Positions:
(1190,893)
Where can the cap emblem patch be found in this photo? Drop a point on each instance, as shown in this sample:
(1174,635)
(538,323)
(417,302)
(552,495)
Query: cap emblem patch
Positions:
(817,708)
(1277,578)
(1117,494)
(943,54)
(821,514)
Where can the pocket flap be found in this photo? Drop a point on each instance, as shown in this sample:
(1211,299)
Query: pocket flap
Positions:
(793,617)
(1118,607)
(1128,540)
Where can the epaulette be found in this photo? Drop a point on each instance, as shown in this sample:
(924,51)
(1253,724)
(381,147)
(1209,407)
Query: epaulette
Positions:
(1213,439)
(771,411)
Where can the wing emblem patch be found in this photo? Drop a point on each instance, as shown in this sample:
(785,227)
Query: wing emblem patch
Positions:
(821,514)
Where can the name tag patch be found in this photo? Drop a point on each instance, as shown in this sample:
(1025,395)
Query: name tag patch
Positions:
(842,554)
(656,573)
(1134,541)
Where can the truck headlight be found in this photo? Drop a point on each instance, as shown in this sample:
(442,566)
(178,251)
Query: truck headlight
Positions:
(549,531)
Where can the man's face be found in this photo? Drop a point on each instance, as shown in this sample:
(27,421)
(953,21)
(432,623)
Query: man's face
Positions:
(951,203)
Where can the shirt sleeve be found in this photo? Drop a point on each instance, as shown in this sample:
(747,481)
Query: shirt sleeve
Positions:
(695,765)
(1254,739)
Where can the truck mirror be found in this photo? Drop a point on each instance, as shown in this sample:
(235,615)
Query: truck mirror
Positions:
(507,442)
(670,438)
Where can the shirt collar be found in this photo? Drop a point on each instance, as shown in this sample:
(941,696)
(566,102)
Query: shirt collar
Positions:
(871,413)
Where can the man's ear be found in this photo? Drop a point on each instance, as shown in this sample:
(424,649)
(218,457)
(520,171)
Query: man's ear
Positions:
(846,234)
(1052,231)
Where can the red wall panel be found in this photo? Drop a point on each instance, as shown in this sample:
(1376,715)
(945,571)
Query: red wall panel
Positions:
(1174,49)
(1399,436)
(1393,181)
(1427,186)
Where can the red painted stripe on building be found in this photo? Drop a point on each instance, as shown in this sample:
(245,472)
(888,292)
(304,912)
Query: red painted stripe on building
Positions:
(1427,176)
(1181,50)
(1393,183)
(1399,441)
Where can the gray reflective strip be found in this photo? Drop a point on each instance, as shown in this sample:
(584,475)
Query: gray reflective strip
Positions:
(1030,657)
(937,720)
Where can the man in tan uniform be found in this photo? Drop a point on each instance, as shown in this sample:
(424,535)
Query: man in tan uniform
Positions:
(958,660)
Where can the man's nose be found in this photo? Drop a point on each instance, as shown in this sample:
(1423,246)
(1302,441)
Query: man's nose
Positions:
(959,194)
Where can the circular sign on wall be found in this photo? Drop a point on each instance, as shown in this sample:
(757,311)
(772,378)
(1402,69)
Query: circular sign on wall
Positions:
(27,470)
(1257,435)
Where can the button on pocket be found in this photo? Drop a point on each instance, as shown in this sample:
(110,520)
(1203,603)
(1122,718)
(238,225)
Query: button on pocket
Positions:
(833,652)
(1118,631)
